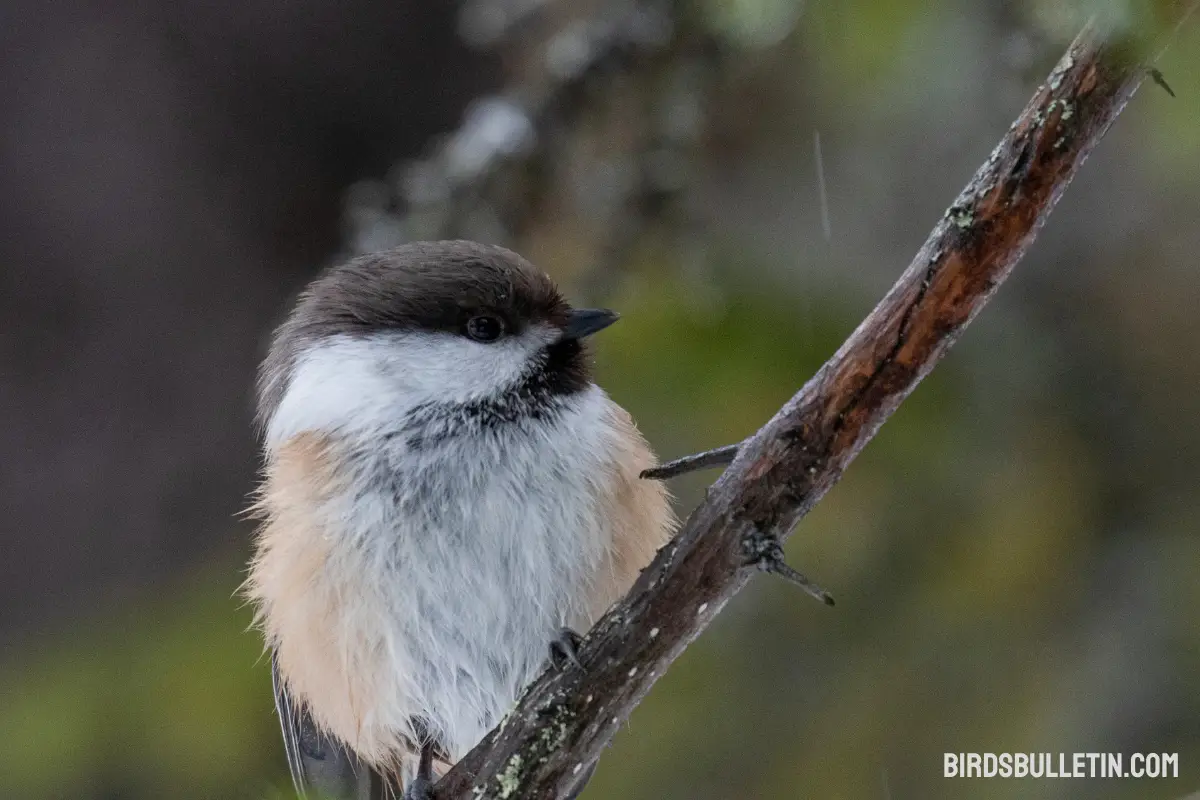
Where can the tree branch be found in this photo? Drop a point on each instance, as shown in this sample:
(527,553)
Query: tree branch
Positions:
(546,746)
(491,178)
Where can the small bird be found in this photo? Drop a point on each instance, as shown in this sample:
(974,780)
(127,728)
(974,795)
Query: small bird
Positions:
(447,498)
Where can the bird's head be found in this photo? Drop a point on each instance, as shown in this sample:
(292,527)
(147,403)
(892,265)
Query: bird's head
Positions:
(424,324)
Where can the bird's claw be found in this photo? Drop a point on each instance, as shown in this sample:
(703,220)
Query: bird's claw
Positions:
(564,649)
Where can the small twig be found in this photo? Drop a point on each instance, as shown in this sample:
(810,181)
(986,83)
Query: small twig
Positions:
(1156,75)
(718,457)
(766,552)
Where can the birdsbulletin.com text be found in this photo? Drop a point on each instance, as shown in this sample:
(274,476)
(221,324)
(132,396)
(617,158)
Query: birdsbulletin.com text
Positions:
(1061,765)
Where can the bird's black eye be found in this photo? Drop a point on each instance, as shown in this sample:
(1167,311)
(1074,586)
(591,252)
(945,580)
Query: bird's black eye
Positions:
(485,328)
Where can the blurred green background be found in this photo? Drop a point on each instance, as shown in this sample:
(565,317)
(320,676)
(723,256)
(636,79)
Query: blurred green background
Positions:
(1014,556)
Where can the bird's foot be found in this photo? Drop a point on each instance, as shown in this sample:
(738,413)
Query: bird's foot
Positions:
(421,786)
(564,649)
(418,788)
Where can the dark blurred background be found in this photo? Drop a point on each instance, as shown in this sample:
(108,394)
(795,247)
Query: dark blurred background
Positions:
(1014,557)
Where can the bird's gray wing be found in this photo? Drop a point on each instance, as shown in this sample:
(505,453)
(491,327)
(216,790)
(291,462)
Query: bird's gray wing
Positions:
(322,769)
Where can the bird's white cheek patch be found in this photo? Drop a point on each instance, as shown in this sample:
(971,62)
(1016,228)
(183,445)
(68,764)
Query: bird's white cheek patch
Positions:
(360,385)
(332,383)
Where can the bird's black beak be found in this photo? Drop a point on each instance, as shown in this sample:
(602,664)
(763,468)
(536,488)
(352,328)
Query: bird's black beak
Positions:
(583,322)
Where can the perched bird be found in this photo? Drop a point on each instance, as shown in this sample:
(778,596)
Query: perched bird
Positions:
(447,495)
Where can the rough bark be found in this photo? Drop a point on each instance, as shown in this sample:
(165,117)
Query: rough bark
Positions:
(558,730)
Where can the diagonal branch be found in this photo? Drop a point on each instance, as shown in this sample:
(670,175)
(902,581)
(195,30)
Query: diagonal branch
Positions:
(547,745)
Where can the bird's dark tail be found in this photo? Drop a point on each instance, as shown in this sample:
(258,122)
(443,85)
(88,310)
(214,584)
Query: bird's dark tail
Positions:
(322,769)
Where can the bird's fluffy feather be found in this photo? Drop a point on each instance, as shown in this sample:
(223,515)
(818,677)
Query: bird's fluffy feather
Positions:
(416,577)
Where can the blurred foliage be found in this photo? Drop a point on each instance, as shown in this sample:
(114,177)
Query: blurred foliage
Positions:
(1014,556)
(162,696)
